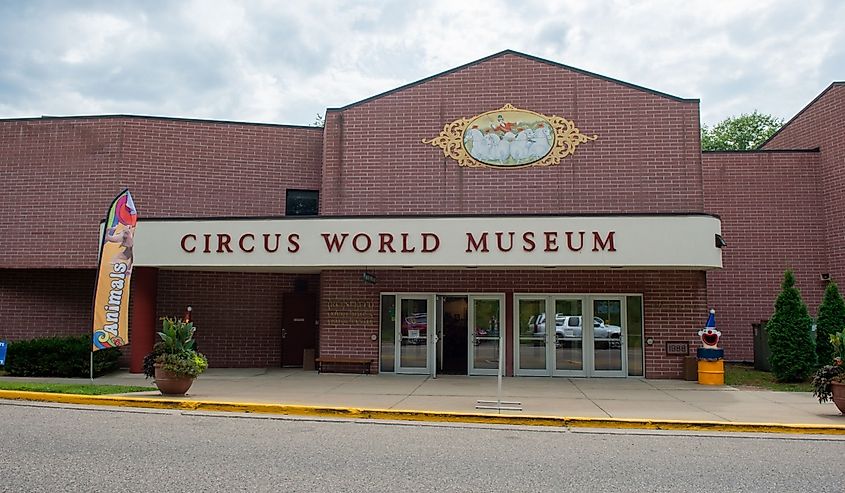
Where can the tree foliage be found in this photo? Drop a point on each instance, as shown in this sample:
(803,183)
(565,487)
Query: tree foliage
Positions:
(739,133)
(831,321)
(793,354)
(319,120)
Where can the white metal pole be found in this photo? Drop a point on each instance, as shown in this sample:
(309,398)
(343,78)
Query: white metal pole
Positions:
(91,367)
(501,370)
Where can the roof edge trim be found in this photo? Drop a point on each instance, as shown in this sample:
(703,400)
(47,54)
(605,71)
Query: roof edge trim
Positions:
(425,216)
(805,108)
(763,151)
(153,117)
(519,54)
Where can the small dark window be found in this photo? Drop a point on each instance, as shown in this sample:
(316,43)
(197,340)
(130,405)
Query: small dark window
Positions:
(302,202)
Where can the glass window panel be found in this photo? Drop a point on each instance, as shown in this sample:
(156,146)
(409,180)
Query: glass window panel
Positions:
(302,202)
(486,337)
(532,334)
(569,350)
(388,332)
(413,350)
(607,332)
(635,335)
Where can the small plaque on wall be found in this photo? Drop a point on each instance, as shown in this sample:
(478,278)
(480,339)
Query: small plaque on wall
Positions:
(677,348)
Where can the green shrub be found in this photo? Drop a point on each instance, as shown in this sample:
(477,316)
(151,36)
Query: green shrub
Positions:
(831,321)
(793,353)
(190,363)
(58,357)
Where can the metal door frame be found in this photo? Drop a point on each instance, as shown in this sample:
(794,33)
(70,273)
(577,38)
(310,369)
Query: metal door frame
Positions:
(471,330)
(551,344)
(623,336)
(587,338)
(431,334)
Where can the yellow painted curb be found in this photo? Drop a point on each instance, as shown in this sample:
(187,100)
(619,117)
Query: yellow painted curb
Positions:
(430,416)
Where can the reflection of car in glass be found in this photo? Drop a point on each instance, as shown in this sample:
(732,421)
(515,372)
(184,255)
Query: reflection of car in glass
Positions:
(532,323)
(491,331)
(481,332)
(415,328)
(538,324)
(605,331)
(569,327)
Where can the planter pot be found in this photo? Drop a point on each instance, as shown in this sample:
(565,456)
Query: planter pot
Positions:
(838,395)
(170,383)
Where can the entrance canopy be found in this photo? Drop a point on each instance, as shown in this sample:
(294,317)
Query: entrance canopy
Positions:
(659,241)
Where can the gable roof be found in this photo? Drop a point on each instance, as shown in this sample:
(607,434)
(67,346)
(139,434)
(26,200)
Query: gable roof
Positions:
(522,55)
(805,108)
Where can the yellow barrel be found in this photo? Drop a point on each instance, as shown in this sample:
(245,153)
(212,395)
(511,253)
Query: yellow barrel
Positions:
(711,372)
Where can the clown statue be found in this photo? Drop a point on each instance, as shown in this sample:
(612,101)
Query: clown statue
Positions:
(711,364)
(709,335)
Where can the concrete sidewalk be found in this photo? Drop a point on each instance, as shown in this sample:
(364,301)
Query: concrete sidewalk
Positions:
(540,396)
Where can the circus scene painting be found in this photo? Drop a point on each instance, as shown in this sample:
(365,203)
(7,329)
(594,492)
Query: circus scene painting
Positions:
(509,138)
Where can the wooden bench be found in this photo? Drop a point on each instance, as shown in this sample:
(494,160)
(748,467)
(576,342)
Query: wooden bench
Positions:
(362,363)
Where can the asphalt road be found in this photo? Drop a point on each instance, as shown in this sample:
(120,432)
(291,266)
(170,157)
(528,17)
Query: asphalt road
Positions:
(53,448)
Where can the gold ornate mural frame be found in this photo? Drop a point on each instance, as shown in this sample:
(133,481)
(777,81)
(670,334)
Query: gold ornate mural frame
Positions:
(567,137)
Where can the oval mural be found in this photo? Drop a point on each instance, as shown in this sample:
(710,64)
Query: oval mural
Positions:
(509,137)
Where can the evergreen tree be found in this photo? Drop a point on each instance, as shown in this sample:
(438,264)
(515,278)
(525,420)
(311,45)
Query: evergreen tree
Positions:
(793,354)
(831,320)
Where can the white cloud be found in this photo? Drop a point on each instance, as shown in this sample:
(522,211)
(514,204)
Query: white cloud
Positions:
(266,61)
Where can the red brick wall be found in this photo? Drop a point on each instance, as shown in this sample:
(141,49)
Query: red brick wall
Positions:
(769,205)
(60,175)
(238,315)
(646,158)
(822,125)
(674,303)
(45,302)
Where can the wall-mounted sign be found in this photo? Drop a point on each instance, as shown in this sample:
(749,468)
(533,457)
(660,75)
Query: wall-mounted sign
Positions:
(648,241)
(680,348)
(509,137)
(369,278)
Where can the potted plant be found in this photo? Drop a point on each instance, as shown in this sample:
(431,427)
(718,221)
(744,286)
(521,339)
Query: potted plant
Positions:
(829,380)
(174,363)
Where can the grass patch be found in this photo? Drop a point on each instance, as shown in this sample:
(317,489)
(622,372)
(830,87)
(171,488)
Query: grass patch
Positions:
(73,388)
(739,375)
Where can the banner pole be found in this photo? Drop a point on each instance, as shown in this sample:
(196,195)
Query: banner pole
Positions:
(91,373)
(499,373)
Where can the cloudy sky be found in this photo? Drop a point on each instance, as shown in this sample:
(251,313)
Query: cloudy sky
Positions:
(286,61)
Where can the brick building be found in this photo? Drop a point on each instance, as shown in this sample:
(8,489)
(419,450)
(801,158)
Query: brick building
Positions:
(427,227)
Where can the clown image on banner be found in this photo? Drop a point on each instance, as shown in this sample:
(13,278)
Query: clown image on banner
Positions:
(111,301)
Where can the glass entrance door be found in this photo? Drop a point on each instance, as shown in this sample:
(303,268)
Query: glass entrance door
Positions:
(485,334)
(570,335)
(416,333)
(568,348)
(550,337)
(608,336)
(530,335)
